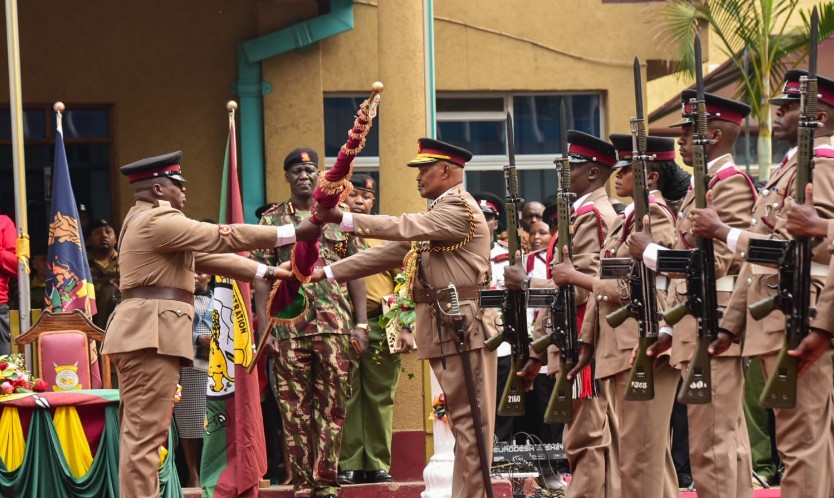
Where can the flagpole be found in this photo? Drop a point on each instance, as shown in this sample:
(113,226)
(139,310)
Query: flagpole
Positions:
(19,168)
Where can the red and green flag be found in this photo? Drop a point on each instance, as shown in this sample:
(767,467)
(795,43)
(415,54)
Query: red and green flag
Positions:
(234,451)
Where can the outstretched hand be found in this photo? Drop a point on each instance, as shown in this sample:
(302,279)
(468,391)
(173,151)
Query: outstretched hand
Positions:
(281,272)
(328,215)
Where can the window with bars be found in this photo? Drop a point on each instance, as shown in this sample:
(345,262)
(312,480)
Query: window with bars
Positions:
(477,122)
(88,139)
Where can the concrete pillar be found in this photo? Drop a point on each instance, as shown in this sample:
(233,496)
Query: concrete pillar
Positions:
(292,114)
(403,111)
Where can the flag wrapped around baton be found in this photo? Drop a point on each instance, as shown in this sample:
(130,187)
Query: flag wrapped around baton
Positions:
(286,303)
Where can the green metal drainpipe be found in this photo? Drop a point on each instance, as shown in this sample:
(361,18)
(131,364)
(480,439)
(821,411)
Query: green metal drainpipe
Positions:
(250,90)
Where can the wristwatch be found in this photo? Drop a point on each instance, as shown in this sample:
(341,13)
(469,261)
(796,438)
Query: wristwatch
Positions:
(363,326)
(409,328)
(525,284)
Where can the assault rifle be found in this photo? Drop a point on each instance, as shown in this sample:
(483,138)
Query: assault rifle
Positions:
(698,264)
(793,256)
(513,303)
(641,279)
(562,322)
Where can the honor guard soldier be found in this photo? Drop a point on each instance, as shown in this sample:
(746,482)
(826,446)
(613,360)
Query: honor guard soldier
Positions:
(804,436)
(149,334)
(311,358)
(448,243)
(719,448)
(646,467)
(591,439)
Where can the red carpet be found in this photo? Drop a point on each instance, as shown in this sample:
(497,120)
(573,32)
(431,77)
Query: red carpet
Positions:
(758,493)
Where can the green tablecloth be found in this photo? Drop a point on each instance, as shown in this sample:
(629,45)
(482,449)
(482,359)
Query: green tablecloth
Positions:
(44,471)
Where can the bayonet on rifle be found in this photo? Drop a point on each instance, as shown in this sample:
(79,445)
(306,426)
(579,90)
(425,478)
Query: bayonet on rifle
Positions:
(794,258)
(513,303)
(562,322)
(643,291)
(699,264)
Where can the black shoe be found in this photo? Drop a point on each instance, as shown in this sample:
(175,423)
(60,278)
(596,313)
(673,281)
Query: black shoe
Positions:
(684,481)
(378,476)
(346,477)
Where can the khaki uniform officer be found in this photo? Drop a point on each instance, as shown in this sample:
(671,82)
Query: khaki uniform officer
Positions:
(646,467)
(804,434)
(149,334)
(719,448)
(591,439)
(451,243)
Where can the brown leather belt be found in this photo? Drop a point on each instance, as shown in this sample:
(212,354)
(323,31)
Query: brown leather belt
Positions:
(430,294)
(156,292)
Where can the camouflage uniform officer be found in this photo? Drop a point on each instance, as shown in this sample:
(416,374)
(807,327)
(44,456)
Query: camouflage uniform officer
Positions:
(104,269)
(311,362)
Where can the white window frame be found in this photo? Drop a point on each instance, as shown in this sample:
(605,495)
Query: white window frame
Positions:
(482,162)
(497,162)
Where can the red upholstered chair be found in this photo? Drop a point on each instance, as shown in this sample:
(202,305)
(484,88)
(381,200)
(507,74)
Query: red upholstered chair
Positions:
(62,350)
(64,360)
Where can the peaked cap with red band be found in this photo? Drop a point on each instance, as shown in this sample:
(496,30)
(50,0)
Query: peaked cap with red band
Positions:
(718,108)
(363,182)
(660,148)
(430,150)
(491,204)
(164,166)
(791,88)
(583,148)
(551,214)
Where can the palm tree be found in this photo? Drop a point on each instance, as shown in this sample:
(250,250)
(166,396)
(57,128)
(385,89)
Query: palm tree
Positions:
(755,30)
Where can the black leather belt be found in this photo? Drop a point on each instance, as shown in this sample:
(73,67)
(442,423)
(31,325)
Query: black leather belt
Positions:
(431,294)
(156,292)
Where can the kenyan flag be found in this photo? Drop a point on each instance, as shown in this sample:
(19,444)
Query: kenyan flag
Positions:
(234,451)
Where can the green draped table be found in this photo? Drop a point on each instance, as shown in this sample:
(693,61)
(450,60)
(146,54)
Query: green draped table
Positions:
(66,445)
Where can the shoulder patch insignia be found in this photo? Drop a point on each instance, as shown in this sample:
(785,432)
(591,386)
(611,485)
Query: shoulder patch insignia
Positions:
(225,230)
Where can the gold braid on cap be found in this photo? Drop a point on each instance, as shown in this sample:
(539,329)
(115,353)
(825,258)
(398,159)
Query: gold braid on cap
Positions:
(412,257)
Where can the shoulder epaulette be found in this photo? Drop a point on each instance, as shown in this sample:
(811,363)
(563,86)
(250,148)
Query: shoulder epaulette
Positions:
(500,258)
(276,208)
(824,151)
(730,172)
(585,208)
